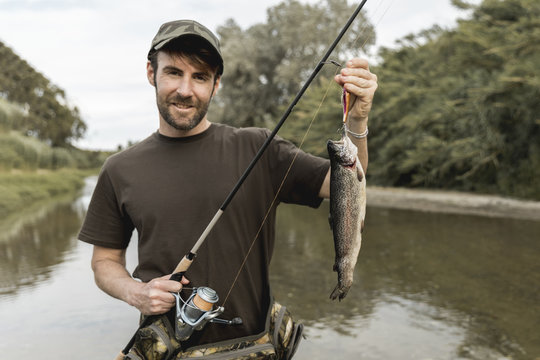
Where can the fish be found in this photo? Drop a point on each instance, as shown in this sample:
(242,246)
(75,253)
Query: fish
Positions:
(347,210)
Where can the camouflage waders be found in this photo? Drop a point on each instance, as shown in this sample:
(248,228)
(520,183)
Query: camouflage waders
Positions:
(279,341)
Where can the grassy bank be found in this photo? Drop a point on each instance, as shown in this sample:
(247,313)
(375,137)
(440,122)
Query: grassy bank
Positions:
(20,189)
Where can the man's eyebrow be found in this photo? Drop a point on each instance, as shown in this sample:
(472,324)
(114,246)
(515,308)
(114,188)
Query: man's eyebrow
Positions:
(203,73)
(171,67)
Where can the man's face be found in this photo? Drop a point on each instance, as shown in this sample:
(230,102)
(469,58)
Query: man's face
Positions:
(183,94)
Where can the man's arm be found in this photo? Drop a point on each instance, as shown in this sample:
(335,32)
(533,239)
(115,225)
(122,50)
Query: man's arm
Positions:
(361,84)
(111,276)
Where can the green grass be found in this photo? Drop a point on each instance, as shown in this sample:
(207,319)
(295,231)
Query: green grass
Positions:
(22,189)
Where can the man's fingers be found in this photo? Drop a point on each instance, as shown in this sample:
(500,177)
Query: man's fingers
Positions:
(359,72)
(358,63)
(360,80)
(158,295)
(361,89)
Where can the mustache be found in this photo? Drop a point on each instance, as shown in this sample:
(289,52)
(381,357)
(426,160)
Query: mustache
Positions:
(182,100)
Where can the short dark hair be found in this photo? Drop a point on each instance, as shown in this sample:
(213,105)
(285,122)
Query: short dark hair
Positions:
(194,48)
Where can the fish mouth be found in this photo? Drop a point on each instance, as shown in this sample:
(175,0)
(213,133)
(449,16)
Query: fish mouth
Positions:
(343,151)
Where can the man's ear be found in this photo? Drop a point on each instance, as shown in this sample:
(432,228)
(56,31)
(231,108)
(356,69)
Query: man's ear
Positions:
(150,73)
(216,86)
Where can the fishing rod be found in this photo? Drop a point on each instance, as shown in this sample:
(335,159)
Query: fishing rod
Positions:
(187,260)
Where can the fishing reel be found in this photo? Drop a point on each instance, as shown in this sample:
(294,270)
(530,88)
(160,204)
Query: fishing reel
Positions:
(198,310)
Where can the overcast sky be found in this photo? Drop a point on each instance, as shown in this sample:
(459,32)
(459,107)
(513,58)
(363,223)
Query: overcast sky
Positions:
(96,49)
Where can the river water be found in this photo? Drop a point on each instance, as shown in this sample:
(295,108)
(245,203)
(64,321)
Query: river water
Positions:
(427,286)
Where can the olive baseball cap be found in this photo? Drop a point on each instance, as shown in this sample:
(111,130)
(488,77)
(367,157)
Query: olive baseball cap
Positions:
(175,29)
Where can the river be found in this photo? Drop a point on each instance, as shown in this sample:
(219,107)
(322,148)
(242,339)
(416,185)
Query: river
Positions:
(427,286)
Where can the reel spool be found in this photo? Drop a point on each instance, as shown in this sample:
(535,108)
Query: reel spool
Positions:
(196,312)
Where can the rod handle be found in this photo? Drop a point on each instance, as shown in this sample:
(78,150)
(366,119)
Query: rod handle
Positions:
(182,267)
(177,276)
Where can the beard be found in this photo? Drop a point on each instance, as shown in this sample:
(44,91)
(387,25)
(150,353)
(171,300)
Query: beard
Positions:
(184,123)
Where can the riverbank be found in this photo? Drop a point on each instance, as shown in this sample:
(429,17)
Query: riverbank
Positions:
(21,189)
(452,202)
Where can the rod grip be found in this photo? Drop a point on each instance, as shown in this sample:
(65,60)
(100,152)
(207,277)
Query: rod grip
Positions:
(181,268)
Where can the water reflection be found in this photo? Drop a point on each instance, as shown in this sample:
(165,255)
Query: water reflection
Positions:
(473,276)
(427,286)
(41,241)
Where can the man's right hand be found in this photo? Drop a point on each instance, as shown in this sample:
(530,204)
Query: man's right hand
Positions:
(111,275)
(154,297)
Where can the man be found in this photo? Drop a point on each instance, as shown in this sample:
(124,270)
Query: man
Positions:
(169,186)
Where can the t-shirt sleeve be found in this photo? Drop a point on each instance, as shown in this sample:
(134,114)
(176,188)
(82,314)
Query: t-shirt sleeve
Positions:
(106,223)
(303,179)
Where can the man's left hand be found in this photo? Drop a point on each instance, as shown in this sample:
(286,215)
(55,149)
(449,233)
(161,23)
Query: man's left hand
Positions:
(361,84)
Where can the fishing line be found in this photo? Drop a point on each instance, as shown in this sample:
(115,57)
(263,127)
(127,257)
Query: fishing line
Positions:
(372,32)
(280,186)
(328,87)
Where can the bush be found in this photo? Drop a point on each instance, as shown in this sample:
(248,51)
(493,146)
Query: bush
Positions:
(19,190)
(11,116)
(28,153)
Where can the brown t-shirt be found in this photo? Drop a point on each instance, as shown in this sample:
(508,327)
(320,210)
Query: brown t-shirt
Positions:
(170,188)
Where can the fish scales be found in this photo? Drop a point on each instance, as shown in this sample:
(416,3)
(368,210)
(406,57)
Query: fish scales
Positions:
(347,210)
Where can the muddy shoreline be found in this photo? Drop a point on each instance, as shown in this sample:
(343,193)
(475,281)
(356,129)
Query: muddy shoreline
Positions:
(452,202)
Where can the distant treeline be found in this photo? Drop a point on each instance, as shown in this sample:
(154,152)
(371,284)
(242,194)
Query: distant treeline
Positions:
(20,151)
(37,124)
(455,109)
(459,108)
(45,110)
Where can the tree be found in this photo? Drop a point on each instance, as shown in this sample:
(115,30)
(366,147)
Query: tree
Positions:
(48,116)
(267,64)
(459,108)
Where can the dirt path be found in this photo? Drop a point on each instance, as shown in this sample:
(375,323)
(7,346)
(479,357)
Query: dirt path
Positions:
(452,202)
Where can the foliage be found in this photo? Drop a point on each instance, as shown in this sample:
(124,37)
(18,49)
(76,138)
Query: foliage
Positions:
(11,116)
(18,190)
(44,109)
(459,108)
(18,151)
(267,64)
(27,153)
(318,117)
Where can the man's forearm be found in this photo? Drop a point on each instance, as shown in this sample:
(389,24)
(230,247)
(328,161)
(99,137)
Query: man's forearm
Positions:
(111,275)
(113,278)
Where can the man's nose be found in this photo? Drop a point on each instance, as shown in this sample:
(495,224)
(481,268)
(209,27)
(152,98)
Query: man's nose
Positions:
(185,88)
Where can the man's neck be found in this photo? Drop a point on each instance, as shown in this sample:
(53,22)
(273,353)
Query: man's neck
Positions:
(169,131)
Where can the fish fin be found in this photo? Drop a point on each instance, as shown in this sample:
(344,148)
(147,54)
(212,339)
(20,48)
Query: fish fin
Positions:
(359,172)
(338,292)
(331,221)
(362,226)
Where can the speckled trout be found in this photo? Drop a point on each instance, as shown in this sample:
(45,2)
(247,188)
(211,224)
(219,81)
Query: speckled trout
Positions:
(347,210)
